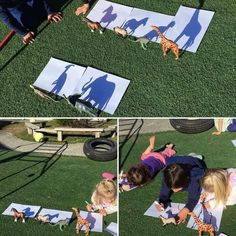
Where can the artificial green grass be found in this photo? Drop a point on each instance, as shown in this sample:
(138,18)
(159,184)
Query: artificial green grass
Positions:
(200,84)
(66,182)
(218,152)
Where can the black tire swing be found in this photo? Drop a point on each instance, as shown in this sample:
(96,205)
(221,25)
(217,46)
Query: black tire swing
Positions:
(192,126)
(100,149)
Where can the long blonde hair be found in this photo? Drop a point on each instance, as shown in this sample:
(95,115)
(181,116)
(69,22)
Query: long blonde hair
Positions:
(217,181)
(106,189)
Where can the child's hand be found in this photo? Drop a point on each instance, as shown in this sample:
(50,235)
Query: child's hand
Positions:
(182,215)
(159,206)
(89,207)
(82,10)
(126,187)
(28,38)
(206,205)
(203,196)
(103,212)
(55,17)
(122,175)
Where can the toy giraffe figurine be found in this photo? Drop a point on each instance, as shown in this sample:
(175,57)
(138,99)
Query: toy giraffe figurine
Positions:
(18,215)
(81,222)
(202,227)
(167,43)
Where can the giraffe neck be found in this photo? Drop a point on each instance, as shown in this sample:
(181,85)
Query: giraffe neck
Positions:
(160,34)
(77,214)
(197,220)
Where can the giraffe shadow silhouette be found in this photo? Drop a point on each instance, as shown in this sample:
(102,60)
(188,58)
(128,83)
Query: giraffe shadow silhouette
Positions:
(191,31)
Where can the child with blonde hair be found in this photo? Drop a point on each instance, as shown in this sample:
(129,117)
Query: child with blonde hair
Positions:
(219,187)
(104,198)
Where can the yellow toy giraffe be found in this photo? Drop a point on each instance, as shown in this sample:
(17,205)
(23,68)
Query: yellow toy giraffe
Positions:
(202,227)
(167,43)
(81,222)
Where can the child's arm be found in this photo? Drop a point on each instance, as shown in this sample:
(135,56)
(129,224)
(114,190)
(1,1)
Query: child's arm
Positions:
(232,197)
(111,209)
(182,215)
(11,22)
(53,15)
(83,9)
(194,193)
(150,147)
(165,194)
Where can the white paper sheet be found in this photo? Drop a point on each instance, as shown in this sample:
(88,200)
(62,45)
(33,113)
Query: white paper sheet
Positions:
(29,210)
(139,23)
(233,142)
(190,26)
(103,90)
(112,228)
(171,211)
(208,216)
(56,215)
(109,14)
(59,77)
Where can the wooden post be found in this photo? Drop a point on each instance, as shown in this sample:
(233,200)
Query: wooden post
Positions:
(59,136)
(97,134)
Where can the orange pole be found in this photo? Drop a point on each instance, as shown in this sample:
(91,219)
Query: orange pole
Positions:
(6,39)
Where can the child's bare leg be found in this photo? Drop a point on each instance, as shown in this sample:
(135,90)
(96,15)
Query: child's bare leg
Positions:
(151,145)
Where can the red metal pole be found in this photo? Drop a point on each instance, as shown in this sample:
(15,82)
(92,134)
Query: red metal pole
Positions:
(6,39)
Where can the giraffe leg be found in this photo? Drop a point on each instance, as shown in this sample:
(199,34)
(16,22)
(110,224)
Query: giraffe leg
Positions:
(164,49)
(176,52)
(86,230)
(211,233)
(199,232)
(77,228)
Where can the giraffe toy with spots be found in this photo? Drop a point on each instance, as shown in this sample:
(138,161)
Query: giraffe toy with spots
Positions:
(167,43)
(81,222)
(202,227)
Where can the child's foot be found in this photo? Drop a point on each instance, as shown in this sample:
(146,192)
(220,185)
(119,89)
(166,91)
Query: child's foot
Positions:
(152,142)
(170,145)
